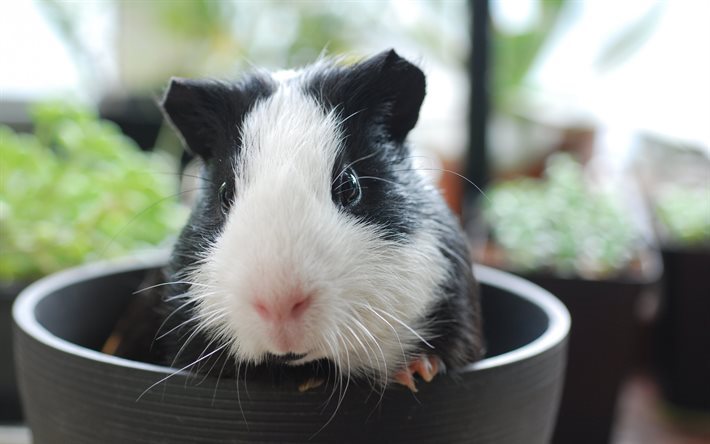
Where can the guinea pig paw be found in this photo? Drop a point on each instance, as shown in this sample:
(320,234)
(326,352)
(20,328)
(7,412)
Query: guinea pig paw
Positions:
(425,366)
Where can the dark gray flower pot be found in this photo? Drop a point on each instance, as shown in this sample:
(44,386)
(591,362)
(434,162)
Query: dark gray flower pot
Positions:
(603,344)
(683,333)
(10,410)
(75,394)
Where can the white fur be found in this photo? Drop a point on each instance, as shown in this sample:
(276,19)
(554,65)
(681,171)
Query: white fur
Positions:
(284,230)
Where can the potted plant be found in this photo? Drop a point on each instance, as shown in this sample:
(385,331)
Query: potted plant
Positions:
(673,173)
(683,221)
(580,244)
(74,190)
(75,394)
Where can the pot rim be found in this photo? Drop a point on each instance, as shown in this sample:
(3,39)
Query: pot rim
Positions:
(23,311)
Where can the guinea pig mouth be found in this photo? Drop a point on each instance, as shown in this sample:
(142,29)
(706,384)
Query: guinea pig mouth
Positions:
(271,358)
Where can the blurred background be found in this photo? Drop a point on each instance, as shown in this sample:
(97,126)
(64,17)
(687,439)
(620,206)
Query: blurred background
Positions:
(583,128)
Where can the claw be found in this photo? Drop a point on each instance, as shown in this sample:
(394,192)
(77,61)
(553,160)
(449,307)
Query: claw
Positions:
(405,378)
(426,366)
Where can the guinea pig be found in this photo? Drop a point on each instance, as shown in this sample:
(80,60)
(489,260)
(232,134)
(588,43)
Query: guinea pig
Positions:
(314,238)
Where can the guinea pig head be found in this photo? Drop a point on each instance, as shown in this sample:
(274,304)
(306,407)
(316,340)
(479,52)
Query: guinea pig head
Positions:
(311,238)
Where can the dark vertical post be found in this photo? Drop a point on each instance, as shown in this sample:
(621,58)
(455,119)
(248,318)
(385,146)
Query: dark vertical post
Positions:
(477,159)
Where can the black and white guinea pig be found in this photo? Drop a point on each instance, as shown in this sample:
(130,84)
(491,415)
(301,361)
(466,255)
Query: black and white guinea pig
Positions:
(314,237)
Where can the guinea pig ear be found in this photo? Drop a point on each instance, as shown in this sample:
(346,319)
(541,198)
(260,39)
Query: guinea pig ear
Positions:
(393,89)
(202,112)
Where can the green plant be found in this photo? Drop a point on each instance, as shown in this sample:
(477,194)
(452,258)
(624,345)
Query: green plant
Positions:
(684,213)
(192,38)
(560,224)
(77,189)
(514,54)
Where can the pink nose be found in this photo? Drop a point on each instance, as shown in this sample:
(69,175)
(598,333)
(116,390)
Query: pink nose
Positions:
(289,308)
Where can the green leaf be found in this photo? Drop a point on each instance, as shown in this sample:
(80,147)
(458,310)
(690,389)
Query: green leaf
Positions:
(77,190)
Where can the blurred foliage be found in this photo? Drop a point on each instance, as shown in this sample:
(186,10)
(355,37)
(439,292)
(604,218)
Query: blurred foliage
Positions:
(630,39)
(560,224)
(196,19)
(76,190)
(233,30)
(684,212)
(193,38)
(514,54)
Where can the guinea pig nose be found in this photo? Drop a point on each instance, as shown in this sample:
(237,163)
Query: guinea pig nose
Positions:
(291,307)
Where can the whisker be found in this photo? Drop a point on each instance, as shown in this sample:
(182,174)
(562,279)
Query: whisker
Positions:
(338,377)
(383,376)
(194,333)
(351,164)
(353,349)
(342,393)
(196,297)
(192,319)
(239,399)
(443,170)
(139,214)
(167,318)
(365,349)
(198,370)
(351,116)
(219,376)
(172,283)
(404,355)
(406,326)
(207,373)
(178,371)
(380,179)
(246,386)
(176,173)
(347,381)
(191,298)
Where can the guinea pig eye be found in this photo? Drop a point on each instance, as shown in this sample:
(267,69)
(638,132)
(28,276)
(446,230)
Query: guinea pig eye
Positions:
(226,197)
(346,188)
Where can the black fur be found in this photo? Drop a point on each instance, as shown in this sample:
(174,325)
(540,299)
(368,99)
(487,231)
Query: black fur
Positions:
(456,317)
(378,100)
(208,115)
